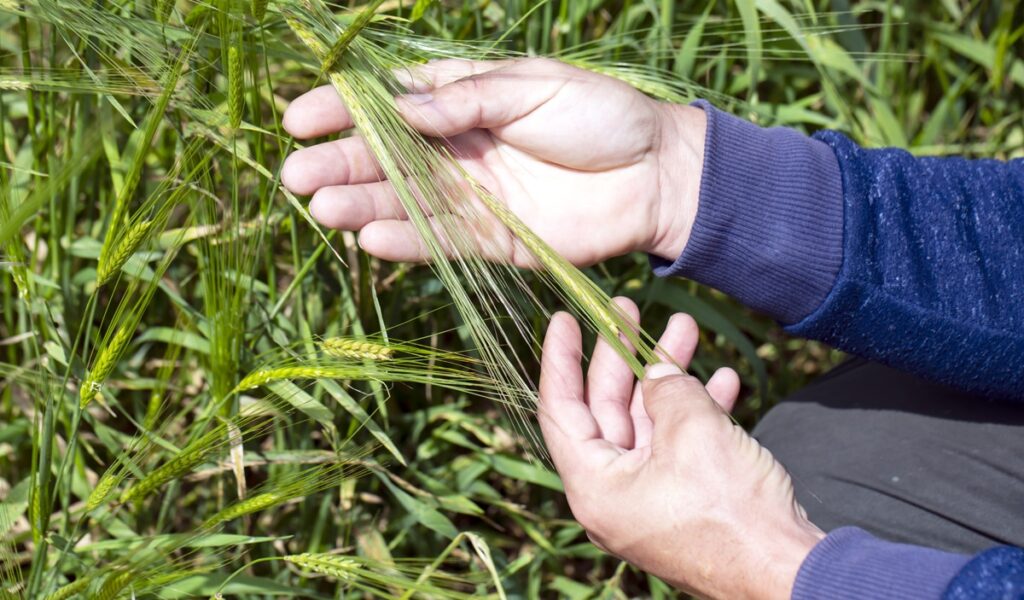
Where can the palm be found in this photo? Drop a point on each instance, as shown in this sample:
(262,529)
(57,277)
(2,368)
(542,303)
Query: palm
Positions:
(574,154)
(569,208)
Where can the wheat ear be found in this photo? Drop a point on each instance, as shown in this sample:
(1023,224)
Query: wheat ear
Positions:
(109,265)
(338,567)
(113,585)
(69,590)
(259,9)
(104,365)
(162,10)
(183,462)
(236,87)
(360,349)
(265,376)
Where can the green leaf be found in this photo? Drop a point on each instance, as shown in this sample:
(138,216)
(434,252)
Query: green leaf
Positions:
(523,471)
(425,515)
(419,9)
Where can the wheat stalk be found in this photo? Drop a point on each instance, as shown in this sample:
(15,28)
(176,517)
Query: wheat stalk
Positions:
(109,265)
(359,349)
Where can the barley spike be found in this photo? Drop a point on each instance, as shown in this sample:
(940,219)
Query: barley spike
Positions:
(259,9)
(162,10)
(113,585)
(330,60)
(101,492)
(249,505)
(338,567)
(69,590)
(349,348)
(109,265)
(183,462)
(236,87)
(265,376)
(104,365)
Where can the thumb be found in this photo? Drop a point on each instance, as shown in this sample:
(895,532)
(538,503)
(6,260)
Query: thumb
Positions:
(673,399)
(482,101)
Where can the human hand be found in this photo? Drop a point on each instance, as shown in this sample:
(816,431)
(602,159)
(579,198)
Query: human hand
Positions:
(594,167)
(659,475)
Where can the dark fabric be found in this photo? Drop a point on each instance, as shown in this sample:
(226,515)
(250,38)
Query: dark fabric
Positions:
(997,574)
(769,226)
(851,564)
(905,459)
(932,280)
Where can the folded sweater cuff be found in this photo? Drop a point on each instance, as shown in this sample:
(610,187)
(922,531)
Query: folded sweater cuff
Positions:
(851,563)
(769,225)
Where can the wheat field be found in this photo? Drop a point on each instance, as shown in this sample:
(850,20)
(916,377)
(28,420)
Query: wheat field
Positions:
(203,393)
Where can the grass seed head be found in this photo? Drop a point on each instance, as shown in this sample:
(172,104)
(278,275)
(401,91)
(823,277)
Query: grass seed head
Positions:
(184,461)
(104,365)
(236,87)
(259,9)
(264,376)
(109,265)
(249,505)
(358,349)
(101,492)
(69,590)
(338,567)
(113,585)
(162,10)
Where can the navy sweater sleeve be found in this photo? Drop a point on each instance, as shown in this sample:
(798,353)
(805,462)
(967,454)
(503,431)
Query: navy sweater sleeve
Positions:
(917,263)
(914,262)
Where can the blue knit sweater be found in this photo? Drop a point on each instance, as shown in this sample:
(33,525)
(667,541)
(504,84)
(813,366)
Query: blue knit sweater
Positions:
(917,263)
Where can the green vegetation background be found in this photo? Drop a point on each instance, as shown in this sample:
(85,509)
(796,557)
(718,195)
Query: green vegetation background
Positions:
(935,77)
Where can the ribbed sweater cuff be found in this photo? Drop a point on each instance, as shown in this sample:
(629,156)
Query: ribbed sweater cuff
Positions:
(769,225)
(850,563)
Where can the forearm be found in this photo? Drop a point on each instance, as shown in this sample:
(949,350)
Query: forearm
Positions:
(917,263)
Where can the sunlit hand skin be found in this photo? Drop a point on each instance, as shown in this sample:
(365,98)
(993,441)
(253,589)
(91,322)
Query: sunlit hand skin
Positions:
(658,474)
(594,167)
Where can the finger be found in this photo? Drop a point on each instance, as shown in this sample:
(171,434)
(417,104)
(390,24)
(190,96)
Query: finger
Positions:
(353,207)
(318,112)
(401,241)
(434,74)
(487,100)
(565,420)
(340,162)
(724,388)
(610,384)
(674,401)
(678,343)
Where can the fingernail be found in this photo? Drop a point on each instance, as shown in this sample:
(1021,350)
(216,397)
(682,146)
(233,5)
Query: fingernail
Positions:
(418,98)
(659,370)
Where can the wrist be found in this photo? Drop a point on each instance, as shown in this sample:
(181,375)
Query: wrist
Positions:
(680,163)
(782,556)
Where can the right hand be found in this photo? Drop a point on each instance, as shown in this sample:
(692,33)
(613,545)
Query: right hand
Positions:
(658,474)
(594,167)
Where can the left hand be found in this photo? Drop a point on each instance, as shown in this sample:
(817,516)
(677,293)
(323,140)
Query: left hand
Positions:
(658,474)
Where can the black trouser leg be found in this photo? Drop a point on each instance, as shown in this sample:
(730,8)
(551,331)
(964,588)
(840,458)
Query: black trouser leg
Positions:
(905,459)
